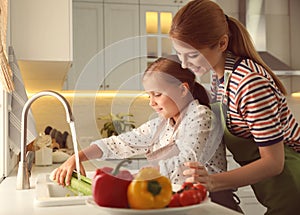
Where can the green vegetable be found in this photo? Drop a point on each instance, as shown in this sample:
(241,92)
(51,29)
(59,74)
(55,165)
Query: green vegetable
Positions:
(80,187)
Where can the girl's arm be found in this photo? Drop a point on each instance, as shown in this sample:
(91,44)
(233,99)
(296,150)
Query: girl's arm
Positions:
(128,144)
(270,164)
(63,174)
(124,145)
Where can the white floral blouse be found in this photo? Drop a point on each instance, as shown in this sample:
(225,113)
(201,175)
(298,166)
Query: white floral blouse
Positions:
(198,138)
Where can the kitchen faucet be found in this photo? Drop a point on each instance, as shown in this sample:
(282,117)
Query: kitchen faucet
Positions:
(23,170)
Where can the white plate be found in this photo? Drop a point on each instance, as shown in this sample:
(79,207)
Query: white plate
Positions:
(125,211)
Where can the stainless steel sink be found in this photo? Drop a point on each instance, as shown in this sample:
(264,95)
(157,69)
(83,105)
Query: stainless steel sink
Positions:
(49,193)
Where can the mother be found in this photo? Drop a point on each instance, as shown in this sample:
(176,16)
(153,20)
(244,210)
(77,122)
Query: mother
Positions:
(260,130)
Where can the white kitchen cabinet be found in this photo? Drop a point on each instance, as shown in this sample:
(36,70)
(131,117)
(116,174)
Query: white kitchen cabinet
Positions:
(87,71)
(249,203)
(155,22)
(106,46)
(122,1)
(122,47)
(41,29)
(41,35)
(128,46)
(176,3)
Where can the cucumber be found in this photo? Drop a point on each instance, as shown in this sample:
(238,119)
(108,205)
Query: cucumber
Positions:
(82,177)
(81,187)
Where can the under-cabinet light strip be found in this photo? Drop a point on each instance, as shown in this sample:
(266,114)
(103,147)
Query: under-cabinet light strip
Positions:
(106,94)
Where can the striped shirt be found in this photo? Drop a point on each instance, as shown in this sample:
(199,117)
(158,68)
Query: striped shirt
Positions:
(257,108)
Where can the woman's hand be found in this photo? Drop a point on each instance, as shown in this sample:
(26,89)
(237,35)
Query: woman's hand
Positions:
(63,174)
(198,174)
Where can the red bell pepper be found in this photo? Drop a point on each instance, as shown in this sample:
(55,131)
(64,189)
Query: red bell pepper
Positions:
(110,185)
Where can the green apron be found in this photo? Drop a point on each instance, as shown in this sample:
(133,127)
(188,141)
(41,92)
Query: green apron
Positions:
(279,194)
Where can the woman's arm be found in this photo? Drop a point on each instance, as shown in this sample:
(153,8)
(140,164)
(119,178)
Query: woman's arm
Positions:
(270,164)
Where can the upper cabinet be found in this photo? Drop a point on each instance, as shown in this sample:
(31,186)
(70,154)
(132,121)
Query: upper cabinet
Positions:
(122,1)
(106,46)
(155,22)
(175,3)
(115,40)
(41,34)
(122,46)
(88,43)
(41,29)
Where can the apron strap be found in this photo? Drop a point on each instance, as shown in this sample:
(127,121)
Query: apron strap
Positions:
(234,143)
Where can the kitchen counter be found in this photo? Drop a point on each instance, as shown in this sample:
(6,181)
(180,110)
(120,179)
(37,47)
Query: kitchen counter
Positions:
(15,202)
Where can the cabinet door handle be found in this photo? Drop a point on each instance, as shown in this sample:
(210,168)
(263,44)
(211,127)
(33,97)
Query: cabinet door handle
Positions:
(107,86)
(175,1)
(101,86)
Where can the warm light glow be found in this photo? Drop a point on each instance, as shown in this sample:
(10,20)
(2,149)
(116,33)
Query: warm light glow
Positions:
(106,94)
(296,95)
(152,22)
(165,22)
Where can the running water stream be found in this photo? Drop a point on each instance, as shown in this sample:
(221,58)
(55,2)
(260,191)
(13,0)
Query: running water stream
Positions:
(74,139)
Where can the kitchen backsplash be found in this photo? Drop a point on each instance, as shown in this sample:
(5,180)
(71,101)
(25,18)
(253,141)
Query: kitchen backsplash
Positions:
(49,112)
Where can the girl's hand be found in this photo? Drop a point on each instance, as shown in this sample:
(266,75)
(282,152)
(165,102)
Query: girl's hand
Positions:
(63,174)
(197,173)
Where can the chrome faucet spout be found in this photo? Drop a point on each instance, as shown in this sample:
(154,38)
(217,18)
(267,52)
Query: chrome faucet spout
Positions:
(23,171)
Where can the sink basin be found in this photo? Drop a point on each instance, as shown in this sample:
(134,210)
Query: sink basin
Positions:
(49,193)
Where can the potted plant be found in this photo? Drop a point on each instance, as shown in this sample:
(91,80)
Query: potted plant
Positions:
(116,124)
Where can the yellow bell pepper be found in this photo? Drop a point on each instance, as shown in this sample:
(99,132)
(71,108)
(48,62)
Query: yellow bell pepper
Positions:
(149,190)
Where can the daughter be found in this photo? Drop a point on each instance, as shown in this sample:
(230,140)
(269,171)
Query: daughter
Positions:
(185,129)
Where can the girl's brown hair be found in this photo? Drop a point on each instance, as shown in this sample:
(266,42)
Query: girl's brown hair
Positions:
(201,23)
(175,73)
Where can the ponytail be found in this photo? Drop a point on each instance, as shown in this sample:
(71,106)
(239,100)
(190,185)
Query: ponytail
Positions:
(240,44)
(200,93)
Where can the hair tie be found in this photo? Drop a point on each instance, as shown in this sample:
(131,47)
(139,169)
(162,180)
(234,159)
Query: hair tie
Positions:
(227,18)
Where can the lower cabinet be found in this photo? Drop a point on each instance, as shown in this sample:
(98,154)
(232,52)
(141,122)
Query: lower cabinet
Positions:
(249,203)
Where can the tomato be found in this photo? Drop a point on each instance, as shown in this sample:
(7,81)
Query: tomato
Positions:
(189,194)
(189,197)
(174,201)
(202,190)
(199,194)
